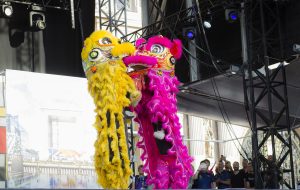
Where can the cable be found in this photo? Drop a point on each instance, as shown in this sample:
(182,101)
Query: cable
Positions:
(214,85)
(204,36)
(224,114)
(215,66)
(184,48)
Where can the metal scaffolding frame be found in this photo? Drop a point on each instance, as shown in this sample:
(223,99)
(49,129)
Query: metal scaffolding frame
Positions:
(263,28)
(155,28)
(157,11)
(62,4)
(167,23)
(130,140)
(173,26)
(113,16)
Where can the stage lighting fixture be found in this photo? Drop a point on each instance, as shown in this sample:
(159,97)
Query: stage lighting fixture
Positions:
(231,15)
(189,33)
(37,19)
(207,20)
(296,48)
(7,9)
(207,24)
(234,69)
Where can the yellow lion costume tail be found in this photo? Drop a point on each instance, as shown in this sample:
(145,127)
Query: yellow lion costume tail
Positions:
(112,90)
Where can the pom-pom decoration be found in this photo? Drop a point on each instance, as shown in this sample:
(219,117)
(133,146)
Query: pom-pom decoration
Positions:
(112,91)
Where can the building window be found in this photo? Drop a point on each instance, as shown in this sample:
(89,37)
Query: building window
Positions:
(131,5)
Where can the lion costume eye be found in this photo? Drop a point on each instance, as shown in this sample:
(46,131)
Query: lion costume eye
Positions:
(104,41)
(156,48)
(95,54)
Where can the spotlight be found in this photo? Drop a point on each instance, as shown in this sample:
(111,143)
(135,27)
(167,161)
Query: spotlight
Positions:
(37,19)
(207,24)
(231,15)
(207,20)
(30,18)
(7,9)
(189,33)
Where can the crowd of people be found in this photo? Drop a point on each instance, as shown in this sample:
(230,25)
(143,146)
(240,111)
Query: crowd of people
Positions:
(225,175)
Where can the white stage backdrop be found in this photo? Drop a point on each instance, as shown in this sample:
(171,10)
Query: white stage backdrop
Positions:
(49,131)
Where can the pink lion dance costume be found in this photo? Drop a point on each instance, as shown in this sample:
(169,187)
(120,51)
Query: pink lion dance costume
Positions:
(167,162)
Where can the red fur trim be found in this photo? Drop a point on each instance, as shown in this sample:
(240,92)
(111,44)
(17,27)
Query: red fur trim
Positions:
(176,49)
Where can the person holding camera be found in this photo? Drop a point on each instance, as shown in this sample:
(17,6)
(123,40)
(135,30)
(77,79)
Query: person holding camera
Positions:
(203,179)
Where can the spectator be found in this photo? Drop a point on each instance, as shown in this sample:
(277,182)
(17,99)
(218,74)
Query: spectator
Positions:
(223,158)
(249,178)
(238,177)
(222,177)
(216,170)
(245,165)
(203,179)
(208,164)
(140,180)
(271,176)
(228,167)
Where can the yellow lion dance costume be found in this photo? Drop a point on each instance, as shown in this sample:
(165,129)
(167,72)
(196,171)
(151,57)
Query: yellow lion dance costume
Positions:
(112,90)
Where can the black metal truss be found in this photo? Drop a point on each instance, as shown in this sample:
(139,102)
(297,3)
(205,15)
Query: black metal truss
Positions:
(113,16)
(265,47)
(156,10)
(72,5)
(162,24)
(183,16)
(62,4)
(173,26)
(128,120)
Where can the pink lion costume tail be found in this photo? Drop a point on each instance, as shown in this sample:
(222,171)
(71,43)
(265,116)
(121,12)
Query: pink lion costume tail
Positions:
(167,162)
